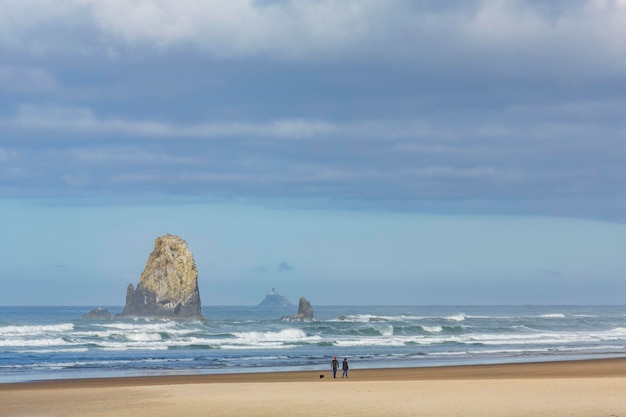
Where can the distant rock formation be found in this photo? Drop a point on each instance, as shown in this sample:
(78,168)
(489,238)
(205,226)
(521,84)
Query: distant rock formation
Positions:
(168,286)
(305,312)
(274,299)
(97,314)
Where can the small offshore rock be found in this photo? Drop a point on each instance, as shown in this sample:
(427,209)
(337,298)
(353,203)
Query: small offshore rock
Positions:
(97,314)
(305,312)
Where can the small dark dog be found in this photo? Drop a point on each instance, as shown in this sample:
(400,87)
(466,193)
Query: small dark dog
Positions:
(321,376)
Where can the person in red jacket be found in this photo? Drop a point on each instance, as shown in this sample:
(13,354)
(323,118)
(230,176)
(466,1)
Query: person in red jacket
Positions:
(334,365)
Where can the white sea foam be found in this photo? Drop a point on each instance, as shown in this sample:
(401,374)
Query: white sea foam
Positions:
(139,331)
(525,341)
(366,318)
(460,353)
(11,331)
(263,358)
(48,351)
(432,329)
(524,328)
(619,331)
(280,336)
(263,340)
(546,338)
(149,326)
(143,337)
(290,337)
(275,345)
(32,342)
(283,339)
(131,346)
(376,334)
(506,351)
(367,341)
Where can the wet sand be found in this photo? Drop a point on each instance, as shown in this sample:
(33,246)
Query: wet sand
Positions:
(572,388)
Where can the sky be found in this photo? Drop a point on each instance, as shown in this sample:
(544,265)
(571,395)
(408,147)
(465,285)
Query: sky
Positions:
(352,152)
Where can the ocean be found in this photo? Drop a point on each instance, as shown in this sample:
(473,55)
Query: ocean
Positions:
(39,343)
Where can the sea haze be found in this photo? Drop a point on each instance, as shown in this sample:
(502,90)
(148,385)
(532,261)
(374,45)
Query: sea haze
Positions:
(39,343)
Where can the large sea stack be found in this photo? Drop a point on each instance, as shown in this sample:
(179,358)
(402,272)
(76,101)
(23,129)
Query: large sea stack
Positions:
(168,286)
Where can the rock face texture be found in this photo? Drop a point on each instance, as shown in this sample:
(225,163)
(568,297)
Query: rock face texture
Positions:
(168,286)
(275,299)
(305,312)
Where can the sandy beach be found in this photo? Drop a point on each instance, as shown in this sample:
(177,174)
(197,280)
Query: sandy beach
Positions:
(572,388)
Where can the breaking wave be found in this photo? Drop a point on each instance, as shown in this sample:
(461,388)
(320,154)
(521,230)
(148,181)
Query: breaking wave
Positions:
(253,338)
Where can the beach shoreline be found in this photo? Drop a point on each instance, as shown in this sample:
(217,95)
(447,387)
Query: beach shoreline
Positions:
(596,368)
(581,387)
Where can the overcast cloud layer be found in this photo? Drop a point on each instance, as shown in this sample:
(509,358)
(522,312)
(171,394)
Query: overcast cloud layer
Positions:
(507,107)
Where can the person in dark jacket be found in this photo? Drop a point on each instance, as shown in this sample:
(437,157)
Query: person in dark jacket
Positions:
(334,365)
(344,366)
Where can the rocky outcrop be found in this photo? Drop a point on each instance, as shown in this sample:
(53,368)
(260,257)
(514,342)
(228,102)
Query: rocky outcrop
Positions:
(305,312)
(168,286)
(275,299)
(97,314)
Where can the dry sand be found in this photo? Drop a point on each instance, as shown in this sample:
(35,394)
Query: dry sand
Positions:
(574,388)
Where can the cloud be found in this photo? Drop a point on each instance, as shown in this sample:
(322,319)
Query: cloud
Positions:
(224,29)
(26,80)
(4,155)
(260,269)
(513,159)
(280,267)
(550,272)
(545,121)
(83,120)
(285,267)
(479,106)
(505,36)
